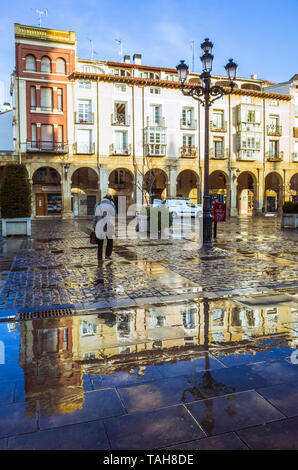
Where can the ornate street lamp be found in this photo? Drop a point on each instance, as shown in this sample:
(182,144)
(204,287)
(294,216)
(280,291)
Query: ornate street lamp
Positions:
(206,94)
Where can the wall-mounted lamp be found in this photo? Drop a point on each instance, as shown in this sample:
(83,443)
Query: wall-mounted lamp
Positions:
(66,168)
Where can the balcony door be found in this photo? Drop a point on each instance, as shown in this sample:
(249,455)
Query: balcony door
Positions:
(155,115)
(120,113)
(84,140)
(121,141)
(47,137)
(84,111)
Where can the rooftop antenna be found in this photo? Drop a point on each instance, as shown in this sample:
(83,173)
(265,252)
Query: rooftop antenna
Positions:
(192,45)
(41,13)
(120,49)
(92,49)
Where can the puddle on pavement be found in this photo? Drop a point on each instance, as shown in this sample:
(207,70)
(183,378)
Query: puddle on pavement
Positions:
(57,361)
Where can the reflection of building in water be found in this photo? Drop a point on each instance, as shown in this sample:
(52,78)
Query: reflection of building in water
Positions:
(178,326)
(51,374)
(54,352)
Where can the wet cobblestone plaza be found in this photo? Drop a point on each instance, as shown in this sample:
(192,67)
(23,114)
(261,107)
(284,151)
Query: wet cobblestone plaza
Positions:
(165,346)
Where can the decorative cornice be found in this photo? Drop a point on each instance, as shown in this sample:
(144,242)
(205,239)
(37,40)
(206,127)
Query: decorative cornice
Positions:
(166,84)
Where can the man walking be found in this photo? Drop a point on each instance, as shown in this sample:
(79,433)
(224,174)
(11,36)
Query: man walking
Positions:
(104,225)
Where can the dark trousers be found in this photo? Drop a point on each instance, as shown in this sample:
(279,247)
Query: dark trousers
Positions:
(109,247)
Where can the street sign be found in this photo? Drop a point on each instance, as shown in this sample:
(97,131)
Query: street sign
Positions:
(218,211)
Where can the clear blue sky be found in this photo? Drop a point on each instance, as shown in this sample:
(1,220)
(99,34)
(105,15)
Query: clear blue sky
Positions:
(260,35)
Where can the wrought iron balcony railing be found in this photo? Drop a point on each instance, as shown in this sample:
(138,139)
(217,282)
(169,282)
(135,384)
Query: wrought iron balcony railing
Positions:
(190,124)
(156,150)
(274,129)
(87,118)
(119,119)
(217,154)
(189,151)
(123,149)
(215,127)
(274,156)
(84,148)
(47,146)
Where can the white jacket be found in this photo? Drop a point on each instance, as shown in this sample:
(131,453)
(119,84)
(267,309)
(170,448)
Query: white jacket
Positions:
(105,214)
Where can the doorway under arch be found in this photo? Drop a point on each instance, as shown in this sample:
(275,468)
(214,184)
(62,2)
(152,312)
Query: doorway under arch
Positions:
(188,185)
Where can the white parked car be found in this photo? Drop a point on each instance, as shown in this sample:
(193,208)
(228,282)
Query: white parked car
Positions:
(180,207)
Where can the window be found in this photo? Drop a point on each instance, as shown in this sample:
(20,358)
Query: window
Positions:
(250,141)
(60,99)
(84,111)
(188,140)
(273,148)
(60,133)
(218,120)
(46,99)
(83,84)
(218,148)
(33,97)
(84,140)
(172,78)
(155,115)
(120,114)
(151,75)
(273,102)
(90,69)
(60,66)
(120,87)
(47,136)
(33,136)
(30,63)
(121,141)
(119,177)
(247,99)
(187,117)
(120,72)
(88,329)
(45,65)
(155,91)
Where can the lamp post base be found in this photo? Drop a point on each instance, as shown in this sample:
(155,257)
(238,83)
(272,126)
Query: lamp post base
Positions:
(207,228)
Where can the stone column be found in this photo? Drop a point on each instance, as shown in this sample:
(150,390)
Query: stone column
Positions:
(234,189)
(66,196)
(260,192)
(172,181)
(103,182)
(138,190)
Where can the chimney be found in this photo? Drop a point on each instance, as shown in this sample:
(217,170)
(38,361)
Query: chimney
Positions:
(127,59)
(137,59)
(253,76)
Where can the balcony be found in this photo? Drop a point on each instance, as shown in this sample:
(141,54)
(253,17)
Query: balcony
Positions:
(156,122)
(86,118)
(274,129)
(218,155)
(190,124)
(119,119)
(295,132)
(188,151)
(84,148)
(123,149)
(156,150)
(39,146)
(274,157)
(214,127)
(248,155)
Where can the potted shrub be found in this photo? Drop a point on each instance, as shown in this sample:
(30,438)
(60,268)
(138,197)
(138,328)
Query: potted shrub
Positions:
(155,213)
(290,214)
(15,201)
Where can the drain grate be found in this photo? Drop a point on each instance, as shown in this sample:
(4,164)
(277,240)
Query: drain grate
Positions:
(50,313)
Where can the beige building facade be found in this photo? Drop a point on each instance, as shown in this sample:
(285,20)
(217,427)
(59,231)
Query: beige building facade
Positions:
(84,128)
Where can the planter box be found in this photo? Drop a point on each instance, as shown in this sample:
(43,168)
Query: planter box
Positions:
(289,220)
(16,227)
